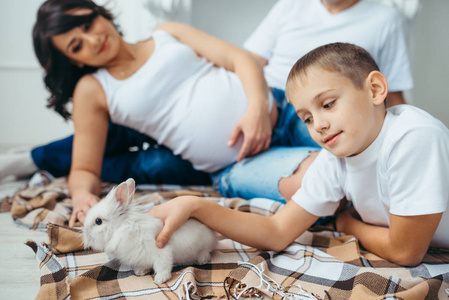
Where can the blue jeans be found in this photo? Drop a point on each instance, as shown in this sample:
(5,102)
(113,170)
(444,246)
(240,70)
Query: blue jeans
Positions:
(256,176)
(157,164)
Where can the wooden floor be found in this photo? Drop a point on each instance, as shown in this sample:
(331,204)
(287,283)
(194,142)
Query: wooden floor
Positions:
(19,269)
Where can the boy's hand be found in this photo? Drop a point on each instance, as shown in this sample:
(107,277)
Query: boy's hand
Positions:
(173,213)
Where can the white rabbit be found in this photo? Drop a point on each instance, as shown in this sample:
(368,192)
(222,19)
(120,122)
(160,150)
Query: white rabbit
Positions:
(117,227)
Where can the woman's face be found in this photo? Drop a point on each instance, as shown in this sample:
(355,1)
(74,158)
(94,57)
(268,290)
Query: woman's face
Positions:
(94,44)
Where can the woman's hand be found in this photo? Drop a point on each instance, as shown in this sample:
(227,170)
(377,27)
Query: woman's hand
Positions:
(255,126)
(173,213)
(255,123)
(90,117)
(82,202)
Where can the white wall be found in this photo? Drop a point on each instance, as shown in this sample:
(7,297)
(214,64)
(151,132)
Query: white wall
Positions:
(231,20)
(23,116)
(429,50)
(25,120)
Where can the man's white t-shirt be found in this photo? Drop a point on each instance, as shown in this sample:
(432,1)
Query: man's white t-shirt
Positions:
(294,27)
(404,172)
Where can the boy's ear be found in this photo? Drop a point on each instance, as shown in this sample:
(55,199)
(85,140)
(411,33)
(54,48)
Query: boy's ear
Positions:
(378,86)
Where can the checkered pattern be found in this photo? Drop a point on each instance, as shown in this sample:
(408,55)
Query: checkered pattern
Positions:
(320,264)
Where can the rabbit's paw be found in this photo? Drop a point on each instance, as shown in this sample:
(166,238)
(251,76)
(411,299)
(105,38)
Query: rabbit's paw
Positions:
(141,272)
(204,257)
(162,277)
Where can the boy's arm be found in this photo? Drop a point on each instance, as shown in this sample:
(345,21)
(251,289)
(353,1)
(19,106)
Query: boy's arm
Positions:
(270,233)
(405,242)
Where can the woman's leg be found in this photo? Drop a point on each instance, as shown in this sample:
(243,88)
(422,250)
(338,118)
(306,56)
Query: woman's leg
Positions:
(19,164)
(128,153)
(290,130)
(289,185)
(275,174)
(56,157)
(153,166)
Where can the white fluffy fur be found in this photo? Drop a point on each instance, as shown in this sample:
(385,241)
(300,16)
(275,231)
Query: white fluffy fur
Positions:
(130,236)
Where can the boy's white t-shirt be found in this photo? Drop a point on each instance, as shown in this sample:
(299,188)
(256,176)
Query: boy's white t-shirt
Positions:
(294,27)
(404,172)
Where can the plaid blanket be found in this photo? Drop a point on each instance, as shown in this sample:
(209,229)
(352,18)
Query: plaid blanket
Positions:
(320,264)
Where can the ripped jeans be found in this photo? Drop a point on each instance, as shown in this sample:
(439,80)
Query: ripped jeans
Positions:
(258,176)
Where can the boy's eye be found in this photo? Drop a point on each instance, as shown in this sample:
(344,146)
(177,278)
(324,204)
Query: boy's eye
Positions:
(308,120)
(329,104)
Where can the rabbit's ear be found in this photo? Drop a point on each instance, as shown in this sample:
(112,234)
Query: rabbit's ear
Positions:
(131,188)
(121,193)
(124,192)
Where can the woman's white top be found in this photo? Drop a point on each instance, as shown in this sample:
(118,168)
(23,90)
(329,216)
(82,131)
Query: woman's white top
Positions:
(181,100)
(403,172)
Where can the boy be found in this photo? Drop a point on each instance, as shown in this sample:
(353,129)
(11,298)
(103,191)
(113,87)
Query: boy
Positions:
(391,164)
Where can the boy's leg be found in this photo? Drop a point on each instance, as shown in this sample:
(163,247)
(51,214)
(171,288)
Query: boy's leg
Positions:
(263,175)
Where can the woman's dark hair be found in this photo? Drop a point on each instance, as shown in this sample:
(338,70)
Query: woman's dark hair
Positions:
(61,74)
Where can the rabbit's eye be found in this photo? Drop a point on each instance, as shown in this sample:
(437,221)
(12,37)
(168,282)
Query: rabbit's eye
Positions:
(98,221)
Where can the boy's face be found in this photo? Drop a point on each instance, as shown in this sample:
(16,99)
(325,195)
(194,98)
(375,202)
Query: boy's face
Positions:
(341,118)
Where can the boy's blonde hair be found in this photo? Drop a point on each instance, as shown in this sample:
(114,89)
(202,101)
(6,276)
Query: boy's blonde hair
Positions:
(347,59)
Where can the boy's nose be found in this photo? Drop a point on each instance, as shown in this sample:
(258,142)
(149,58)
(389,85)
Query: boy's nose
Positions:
(320,124)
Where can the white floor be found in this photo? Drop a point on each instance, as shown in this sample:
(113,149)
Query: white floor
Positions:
(19,270)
